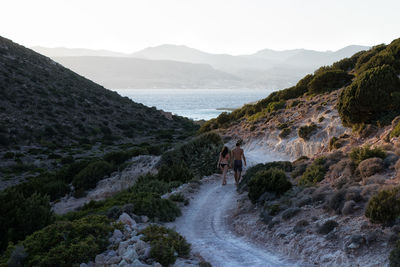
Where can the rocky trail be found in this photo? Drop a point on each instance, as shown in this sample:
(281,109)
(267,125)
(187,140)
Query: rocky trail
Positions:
(205,224)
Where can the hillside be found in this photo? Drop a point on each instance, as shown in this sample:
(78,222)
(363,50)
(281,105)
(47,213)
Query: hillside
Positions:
(336,199)
(123,72)
(48,113)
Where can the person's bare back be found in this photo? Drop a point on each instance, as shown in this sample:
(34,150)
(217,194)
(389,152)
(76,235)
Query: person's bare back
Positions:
(237,155)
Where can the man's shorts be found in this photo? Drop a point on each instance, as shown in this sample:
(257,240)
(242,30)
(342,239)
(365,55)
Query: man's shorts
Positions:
(237,165)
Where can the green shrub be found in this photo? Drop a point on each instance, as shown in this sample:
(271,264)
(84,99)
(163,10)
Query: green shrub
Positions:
(328,81)
(150,184)
(154,207)
(198,154)
(307,131)
(21,215)
(8,155)
(394,258)
(314,173)
(333,143)
(68,243)
(91,174)
(347,64)
(176,172)
(272,180)
(285,132)
(166,244)
(396,131)
(384,207)
(371,95)
(359,154)
(251,172)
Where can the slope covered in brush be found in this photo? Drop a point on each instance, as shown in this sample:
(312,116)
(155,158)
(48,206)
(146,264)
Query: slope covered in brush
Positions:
(43,103)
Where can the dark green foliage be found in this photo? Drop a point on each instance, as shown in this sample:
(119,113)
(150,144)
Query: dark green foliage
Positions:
(176,172)
(179,197)
(371,95)
(347,64)
(285,132)
(396,131)
(199,155)
(251,172)
(333,143)
(359,154)
(154,207)
(337,200)
(314,173)
(307,131)
(272,180)
(91,174)
(328,81)
(384,207)
(68,243)
(394,258)
(150,184)
(8,155)
(367,55)
(165,243)
(22,215)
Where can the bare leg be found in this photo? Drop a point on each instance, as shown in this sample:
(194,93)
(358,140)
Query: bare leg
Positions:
(224,175)
(239,176)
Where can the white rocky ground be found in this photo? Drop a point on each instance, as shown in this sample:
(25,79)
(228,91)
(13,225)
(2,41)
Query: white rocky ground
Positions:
(108,187)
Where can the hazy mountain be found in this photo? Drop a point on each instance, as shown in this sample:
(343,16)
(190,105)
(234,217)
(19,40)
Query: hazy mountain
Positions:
(182,53)
(73,52)
(119,72)
(184,67)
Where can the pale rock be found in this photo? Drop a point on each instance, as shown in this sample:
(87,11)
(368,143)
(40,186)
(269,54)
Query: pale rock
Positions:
(144,218)
(117,236)
(123,263)
(146,253)
(130,255)
(122,247)
(126,219)
(114,260)
(100,259)
(137,263)
(141,245)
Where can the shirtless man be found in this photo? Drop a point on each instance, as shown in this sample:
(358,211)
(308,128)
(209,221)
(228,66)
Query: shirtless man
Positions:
(237,155)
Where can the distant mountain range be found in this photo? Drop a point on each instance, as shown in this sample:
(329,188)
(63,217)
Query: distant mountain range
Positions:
(173,66)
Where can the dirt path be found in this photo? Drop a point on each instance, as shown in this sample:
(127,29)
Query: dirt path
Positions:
(204,224)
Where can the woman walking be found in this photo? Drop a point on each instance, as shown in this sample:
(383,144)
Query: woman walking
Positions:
(223,163)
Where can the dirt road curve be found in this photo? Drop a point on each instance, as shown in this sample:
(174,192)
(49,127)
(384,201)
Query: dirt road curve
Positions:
(204,225)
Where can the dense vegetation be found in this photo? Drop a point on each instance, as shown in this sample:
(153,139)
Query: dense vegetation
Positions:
(272,180)
(384,207)
(314,173)
(359,154)
(166,244)
(64,243)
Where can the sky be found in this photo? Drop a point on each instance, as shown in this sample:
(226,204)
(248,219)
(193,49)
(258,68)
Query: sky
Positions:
(215,26)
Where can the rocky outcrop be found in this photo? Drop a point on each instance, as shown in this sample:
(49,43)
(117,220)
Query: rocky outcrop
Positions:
(264,135)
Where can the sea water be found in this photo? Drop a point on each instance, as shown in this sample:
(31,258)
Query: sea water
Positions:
(196,104)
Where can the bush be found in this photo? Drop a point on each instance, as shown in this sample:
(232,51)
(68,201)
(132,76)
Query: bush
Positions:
(359,154)
(384,207)
(394,258)
(251,172)
(285,132)
(154,207)
(198,154)
(150,184)
(396,131)
(314,173)
(333,143)
(8,155)
(91,174)
(370,96)
(329,80)
(21,215)
(166,244)
(307,131)
(176,172)
(68,243)
(273,180)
